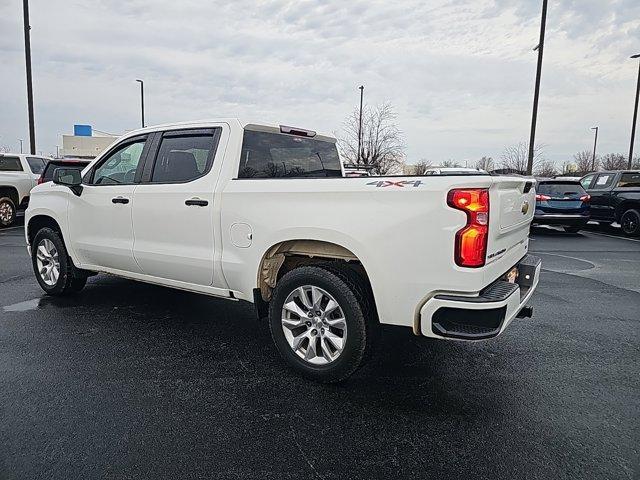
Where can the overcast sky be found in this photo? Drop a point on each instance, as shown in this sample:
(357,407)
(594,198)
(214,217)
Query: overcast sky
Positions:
(459,73)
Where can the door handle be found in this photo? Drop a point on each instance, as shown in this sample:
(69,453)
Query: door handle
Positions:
(120,200)
(196,201)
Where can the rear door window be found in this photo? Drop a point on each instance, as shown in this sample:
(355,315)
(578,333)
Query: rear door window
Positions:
(629,180)
(184,156)
(603,181)
(36,165)
(10,164)
(561,189)
(276,155)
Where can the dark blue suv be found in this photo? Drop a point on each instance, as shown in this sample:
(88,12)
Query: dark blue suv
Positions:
(562,202)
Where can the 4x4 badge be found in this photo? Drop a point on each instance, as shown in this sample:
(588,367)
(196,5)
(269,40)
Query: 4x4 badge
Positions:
(400,183)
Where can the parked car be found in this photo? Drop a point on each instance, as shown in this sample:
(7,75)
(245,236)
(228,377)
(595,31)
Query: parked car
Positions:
(18,175)
(262,213)
(562,202)
(615,197)
(47,174)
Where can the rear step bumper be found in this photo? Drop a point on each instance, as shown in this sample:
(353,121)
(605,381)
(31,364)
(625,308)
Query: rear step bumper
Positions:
(486,314)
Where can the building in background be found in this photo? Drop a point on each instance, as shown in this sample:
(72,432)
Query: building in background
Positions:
(85,142)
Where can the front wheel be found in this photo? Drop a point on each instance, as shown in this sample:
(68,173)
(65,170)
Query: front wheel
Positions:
(318,323)
(52,264)
(630,222)
(7,212)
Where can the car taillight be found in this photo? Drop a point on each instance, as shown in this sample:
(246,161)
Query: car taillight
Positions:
(471,241)
(542,198)
(40,180)
(585,198)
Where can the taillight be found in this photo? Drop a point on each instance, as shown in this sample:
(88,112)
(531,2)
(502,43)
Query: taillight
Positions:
(542,198)
(40,180)
(471,241)
(585,198)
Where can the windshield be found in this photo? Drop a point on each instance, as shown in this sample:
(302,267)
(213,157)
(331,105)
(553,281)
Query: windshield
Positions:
(275,155)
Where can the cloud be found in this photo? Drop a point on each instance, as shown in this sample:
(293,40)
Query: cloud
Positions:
(460,73)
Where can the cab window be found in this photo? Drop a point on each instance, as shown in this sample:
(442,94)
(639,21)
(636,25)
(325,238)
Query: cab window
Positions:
(586,181)
(10,164)
(119,168)
(603,181)
(36,165)
(184,156)
(628,180)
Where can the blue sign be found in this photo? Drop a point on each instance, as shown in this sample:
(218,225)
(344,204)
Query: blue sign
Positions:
(82,130)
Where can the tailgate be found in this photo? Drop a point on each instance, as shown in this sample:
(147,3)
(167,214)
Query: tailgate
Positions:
(512,204)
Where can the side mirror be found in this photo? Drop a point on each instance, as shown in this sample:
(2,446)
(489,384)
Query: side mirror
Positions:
(69,177)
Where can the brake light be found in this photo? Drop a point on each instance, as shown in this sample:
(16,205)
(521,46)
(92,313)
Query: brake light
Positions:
(471,241)
(40,180)
(542,198)
(585,198)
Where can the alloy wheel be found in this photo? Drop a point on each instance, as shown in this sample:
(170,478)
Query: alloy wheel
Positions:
(48,262)
(314,325)
(6,212)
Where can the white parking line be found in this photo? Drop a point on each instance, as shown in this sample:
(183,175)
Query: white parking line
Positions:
(610,236)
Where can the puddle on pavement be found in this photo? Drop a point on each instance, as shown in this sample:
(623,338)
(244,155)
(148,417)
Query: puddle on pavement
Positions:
(23,306)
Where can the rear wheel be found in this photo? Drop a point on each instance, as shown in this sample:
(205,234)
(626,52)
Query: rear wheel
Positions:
(572,229)
(7,212)
(53,266)
(318,323)
(630,222)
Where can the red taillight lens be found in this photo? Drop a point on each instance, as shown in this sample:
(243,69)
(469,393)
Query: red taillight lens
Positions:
(471,241)
(40,180)
(585,198)
(542,198)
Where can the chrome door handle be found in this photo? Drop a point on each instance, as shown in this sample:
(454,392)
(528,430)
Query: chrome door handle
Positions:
(196,201)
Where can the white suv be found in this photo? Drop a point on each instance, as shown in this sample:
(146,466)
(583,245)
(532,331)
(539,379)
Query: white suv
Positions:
(19,173)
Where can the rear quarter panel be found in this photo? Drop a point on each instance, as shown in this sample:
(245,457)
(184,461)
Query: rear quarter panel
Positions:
(403,235)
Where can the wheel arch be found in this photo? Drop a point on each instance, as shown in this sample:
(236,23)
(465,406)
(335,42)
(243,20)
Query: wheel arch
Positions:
(624,206)
(37,222)
(11,192)
(286,255)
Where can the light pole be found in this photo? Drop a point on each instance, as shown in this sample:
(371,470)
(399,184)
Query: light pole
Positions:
(57,151)
(141,99)
(595,143)
(635,114)
(536,95)
(20,140)
(361,88)
(27,55)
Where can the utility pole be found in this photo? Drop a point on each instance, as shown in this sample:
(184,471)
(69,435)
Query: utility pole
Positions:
(635,115)
(361,88)
(141,99)
(595,143)
(536,95)
(27,55)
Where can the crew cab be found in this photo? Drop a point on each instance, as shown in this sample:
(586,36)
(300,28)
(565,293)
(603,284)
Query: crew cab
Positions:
(615,197)
(263,213)
(18,175)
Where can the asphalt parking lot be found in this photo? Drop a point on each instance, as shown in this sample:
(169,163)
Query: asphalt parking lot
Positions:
(128,380)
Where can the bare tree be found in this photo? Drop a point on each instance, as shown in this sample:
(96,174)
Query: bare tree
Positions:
(451,164)
(585,163)
(421,167)
(635,164)
(546,168)
(614,161)
(382,142)
(515,157)
(485,163)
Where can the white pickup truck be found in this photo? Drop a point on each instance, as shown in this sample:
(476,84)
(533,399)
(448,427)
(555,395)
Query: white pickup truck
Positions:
(263,214)
(19,173)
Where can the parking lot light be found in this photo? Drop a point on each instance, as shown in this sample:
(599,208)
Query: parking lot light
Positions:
(635,113)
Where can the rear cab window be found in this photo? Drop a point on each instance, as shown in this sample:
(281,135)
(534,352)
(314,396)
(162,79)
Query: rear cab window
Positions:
(629,180)
(10,164)
(561,189)
(268,154)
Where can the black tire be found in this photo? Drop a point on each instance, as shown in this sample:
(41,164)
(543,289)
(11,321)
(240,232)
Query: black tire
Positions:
(66,282)
(8,212)
(339,284)
(630,222)
(572,229)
